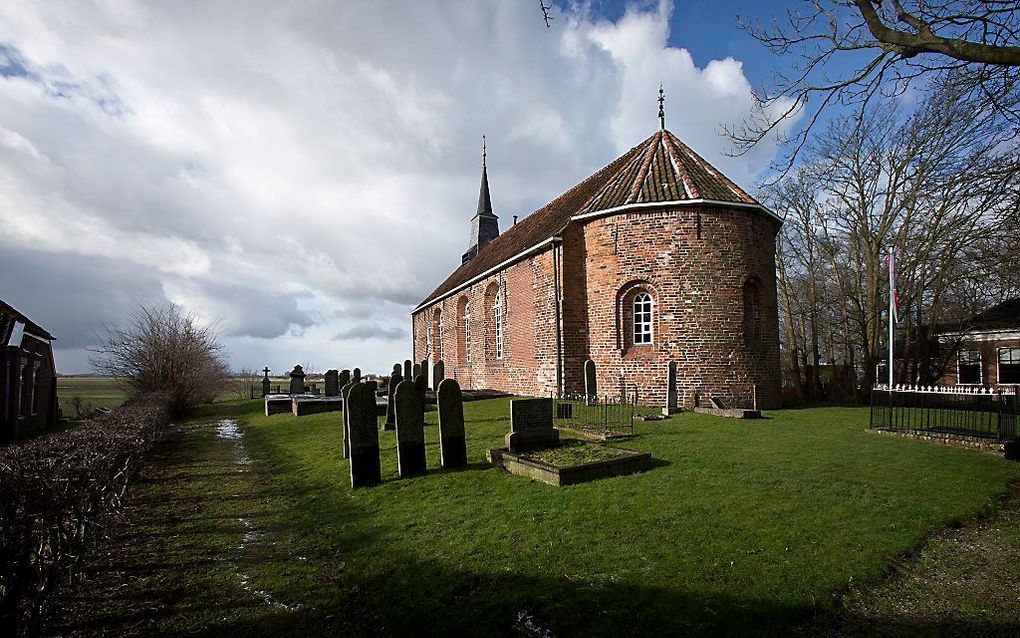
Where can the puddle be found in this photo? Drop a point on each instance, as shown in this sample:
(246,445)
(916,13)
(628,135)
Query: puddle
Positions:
(228,430)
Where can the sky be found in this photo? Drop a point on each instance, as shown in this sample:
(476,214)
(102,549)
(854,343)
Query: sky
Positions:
(302,174)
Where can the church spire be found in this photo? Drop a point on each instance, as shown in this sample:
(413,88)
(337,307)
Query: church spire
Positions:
(484,201)
(485,224)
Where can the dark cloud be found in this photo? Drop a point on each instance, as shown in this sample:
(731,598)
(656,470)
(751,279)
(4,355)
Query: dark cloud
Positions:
(364,331)
(73,296)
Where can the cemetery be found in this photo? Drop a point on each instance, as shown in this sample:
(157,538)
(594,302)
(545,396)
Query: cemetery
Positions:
(767,512)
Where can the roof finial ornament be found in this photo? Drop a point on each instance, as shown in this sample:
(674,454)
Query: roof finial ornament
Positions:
(662,112)
(483,150)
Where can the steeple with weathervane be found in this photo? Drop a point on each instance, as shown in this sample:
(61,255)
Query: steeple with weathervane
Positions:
(485,224)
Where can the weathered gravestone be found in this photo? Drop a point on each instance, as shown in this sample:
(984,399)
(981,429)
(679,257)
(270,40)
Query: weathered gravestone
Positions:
(410,429)
(591,389)
(671,391)
(265,382)
(425,370)
(364,435)
(297,380)
(531,425)
(438,374)
(407,369)
(395,379)
(422,385)
(452,445)
(345,378)
(345,395)
(332,383)
(416,371)
(357,375)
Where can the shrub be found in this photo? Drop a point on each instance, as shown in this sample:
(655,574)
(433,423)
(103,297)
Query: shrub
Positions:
(167,350)
(56,493)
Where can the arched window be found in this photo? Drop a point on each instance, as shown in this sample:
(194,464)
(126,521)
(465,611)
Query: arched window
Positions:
(467,331)
(642,309)
(497,318)
(754,318)
(463,331)
(436,347)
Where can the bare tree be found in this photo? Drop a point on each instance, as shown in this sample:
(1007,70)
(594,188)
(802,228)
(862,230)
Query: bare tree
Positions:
(933,186)
(850,52)
(164,349)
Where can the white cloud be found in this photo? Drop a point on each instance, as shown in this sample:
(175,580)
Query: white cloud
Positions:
(306,172)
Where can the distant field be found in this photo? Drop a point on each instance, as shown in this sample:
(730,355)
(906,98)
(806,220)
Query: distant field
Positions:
(103,392)
(100,392)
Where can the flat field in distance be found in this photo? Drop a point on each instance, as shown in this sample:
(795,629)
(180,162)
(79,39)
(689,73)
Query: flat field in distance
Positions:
(100,392)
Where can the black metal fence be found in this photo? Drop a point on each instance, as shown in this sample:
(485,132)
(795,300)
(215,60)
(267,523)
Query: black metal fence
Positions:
(610,415)
(962,410)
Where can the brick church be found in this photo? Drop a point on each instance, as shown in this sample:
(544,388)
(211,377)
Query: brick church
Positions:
(656,262)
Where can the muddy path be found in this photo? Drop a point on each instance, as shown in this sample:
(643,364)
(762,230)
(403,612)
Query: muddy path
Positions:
(179,560)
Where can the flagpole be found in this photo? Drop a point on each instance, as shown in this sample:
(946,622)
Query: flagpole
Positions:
(892,311)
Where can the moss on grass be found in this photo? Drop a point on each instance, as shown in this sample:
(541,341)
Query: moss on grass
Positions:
(575,453)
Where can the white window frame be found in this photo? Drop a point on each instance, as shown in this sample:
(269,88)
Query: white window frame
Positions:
(497,315)
(467,332)
(980,365)
(998,364)
(643,318)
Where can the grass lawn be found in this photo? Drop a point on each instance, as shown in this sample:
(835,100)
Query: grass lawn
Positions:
(740,528)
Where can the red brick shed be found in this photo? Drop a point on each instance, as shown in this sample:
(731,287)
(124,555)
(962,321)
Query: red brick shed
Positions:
(28,376)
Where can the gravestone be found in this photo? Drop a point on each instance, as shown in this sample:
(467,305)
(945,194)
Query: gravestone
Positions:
(397,369)
(297,380)
(426,370)
(265,382)
(332,383)
(345,378)
(345,394)
(395,379)
(438,374)
(422,385)
(357,375)
(410,429)
(591,389)
(407,369)
(531,425)
(415,371)
(452,445)
(364,436)
(672,405)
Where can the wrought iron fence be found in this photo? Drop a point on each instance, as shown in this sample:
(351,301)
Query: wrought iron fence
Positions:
(612,415)
(980,412)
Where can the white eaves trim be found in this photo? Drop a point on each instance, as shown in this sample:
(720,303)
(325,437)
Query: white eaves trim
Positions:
(521,255)
(980,335)
(677,202)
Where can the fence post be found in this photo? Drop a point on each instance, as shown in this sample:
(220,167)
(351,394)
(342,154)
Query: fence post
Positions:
(998,424)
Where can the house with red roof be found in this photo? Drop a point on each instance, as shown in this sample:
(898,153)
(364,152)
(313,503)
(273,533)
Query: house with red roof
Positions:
(28,376)
(654,276)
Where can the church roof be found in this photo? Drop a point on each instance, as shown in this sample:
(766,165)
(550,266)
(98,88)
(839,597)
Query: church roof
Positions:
(659,170)
(12,321)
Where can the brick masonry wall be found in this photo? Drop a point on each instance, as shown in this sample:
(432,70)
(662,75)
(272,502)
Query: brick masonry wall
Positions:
(528,364)
(20,428)
(694,261)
